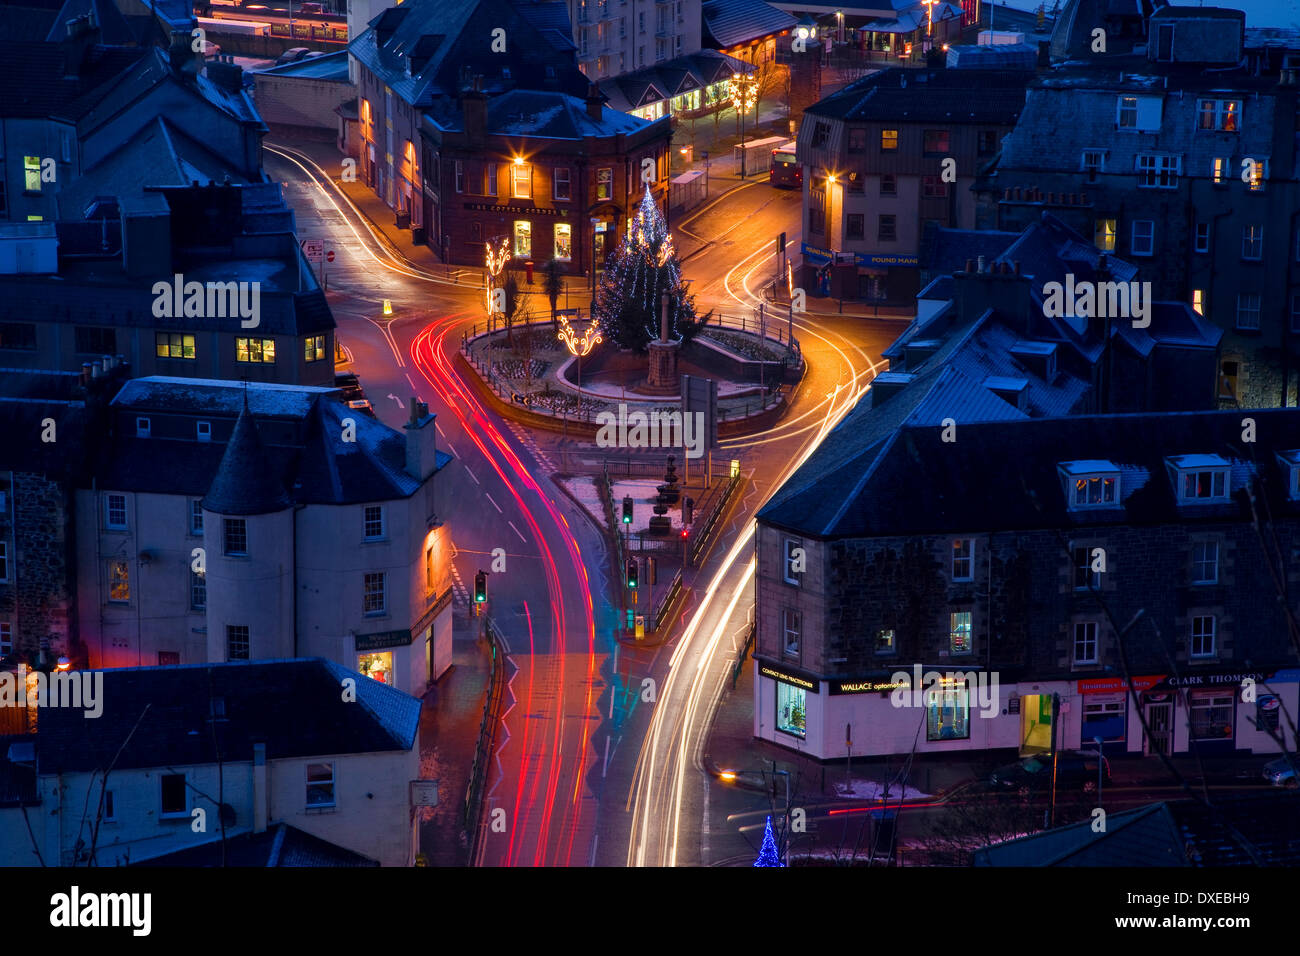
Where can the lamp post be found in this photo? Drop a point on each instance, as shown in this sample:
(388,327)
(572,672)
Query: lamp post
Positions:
(742,94)
(579,347)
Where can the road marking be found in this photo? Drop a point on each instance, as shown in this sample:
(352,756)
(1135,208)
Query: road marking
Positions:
(412,381)
(453,449)
(494,504)
(516,530)
(440,431)
(477,482)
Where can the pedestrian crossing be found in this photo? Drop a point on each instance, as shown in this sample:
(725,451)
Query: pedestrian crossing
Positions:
(526,439)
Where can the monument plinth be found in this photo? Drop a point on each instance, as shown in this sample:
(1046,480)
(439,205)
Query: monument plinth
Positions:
(662,374)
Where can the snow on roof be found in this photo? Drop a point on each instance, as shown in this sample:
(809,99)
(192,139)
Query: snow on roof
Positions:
(1088,466)
(1198,461)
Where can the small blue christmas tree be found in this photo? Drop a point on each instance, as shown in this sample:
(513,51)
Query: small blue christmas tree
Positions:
(767,855)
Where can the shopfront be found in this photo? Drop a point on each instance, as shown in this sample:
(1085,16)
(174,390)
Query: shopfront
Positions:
(393,658)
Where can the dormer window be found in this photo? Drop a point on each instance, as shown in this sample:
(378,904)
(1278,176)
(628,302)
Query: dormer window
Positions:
(1091,484)
(203,431)
(142,428)
(1200,479)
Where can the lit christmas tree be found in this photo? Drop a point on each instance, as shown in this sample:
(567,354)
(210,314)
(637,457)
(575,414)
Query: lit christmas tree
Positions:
(767,855)
(643,268)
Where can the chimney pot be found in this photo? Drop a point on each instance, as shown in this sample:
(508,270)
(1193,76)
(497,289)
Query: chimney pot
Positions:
(970,265)
(979,265)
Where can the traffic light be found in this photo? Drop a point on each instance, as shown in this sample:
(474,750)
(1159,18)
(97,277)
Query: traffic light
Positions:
(685,532)
(631,573)
(480,588)
(627,510)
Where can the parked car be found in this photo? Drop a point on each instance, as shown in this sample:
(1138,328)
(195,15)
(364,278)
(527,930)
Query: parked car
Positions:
(350,384)
(1281,772)
(1075,770)
(362,405)
(292,55)
(309,7)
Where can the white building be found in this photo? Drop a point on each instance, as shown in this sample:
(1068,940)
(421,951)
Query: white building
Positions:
(227,524)
(301,772)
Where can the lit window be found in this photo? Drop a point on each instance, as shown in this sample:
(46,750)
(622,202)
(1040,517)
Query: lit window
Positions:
(1104,233)
(948,711)
(1219,170)
(203,431)
(888,140)
(1248,311)
(1221,115)
(142,428)
(1203,636)
(314,348)
(1200,478)
(119,582)
(115,511)
(489,179)
(885,642)
(175,345)
(373,599)
(32,174)
(1255,174)
(604,184)
(1198,302)
(563,241)
(1127,116)
(1210,715)
(1085,642)
(521,181)
(1091,484)
(791,709)
(959,632)
(320,785)
(523,238)
(257,351)
(374,521)
(1205,562)
(790,628)
(963,559)
(429,585)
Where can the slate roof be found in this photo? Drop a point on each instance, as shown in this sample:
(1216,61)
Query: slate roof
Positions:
(463,32)
(113,26)
(293,706)
(933,96)
(729,23)
(703,68)
(1004,475)
(551,115)
(245,482)
(34,78)
(318,468)
(946,250)
(1182,833)
(278,845)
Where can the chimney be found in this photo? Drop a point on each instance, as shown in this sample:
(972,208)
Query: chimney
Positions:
(594,102)
(421,441)
(979,264)
(260,803)
(970,265)
(83,33)
(473,105)
(182,55)
(226,74)
(85,373)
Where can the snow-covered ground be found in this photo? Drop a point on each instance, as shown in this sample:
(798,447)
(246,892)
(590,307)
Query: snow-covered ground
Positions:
(857,788)
(584,489)
(644,495)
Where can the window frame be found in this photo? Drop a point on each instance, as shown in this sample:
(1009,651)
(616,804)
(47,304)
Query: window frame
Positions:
(368,521)
(1217,114)
(246,639)
(1151,239)
(1103,482)
(1252,240)
(163,812)
(956,627)
(109,524)
(1197,576)
(173,346)
(314,348)
(884,234)
(196,517)
(561,174)
(229,527)
(1193,636)
(1075,642)
(247,347)
(319,784)
(791,576)
(791,624)
(888,140)
(198,590)
(1244,310)
(886,646)
(1201,237)
(962,550)
(521,180)
(374,601)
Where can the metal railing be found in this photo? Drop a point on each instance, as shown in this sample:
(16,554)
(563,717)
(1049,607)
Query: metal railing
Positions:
(486,740)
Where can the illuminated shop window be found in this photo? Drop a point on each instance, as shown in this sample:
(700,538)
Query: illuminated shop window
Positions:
(791,713)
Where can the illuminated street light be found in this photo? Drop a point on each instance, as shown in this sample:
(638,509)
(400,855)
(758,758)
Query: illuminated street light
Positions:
(929,15)
(494,261)
(743,90)
(727,775)
(578,347)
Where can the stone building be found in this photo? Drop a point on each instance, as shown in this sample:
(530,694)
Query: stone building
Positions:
(884,157)
(1174,148)
(937,587)
(228,523)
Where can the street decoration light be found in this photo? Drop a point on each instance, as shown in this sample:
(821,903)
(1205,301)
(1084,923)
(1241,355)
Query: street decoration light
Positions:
(929,15)
(494,261)
(578,347)
(743,89)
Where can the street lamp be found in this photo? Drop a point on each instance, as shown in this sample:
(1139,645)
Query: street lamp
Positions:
(579,347)
(744,93)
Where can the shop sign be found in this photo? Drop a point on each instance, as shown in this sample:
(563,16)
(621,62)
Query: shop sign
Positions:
(877,685)
(382,639)
(884,262)
(1224,679)
(794,680)
(816,254)
(1111,685)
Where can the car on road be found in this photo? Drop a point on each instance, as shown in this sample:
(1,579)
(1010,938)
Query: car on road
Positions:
(1282,772)
(309,7)
(1075,770)
(362,405)
(292,55)
(350,385)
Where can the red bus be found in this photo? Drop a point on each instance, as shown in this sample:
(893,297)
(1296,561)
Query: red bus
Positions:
(786,170)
